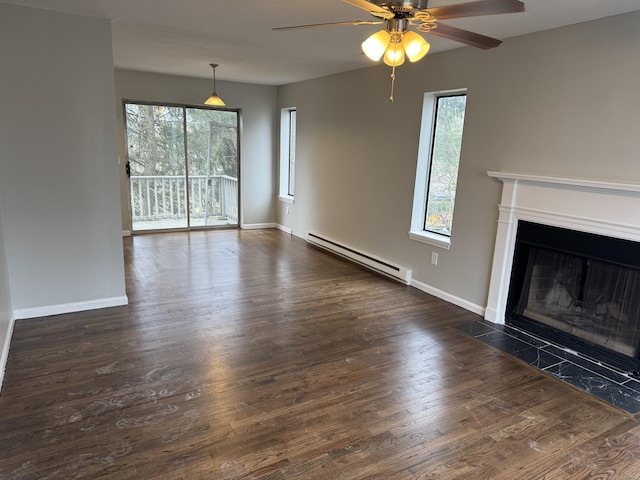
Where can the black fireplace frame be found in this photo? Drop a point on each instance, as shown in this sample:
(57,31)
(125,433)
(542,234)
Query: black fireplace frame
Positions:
(620,252)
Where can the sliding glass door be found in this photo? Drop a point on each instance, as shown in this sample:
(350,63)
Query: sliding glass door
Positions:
(212,143)
(183,166)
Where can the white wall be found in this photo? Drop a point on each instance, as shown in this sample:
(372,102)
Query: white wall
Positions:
(563,101)
(58,162)
(258,138)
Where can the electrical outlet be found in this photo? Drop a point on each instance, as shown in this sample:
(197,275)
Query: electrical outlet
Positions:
(434,258)
(286,210)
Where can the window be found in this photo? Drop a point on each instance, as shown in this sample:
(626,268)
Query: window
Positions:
(437,170)
(287,154)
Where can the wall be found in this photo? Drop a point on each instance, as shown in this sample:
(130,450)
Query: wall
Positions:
(6,309)
(257,148)
(563,102)
(58,162)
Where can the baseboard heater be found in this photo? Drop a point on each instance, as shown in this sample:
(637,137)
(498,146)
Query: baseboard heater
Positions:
(367,260)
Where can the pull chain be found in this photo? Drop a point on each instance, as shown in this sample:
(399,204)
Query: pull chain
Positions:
(393,82)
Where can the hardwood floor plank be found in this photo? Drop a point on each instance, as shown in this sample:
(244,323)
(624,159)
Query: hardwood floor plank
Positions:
(252,355)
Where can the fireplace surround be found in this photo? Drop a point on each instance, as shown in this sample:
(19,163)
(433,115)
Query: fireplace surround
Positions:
(558,224)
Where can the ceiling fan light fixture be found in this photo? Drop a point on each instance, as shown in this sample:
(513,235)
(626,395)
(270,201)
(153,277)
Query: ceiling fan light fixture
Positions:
(214,99)
(396,42)
(415,46)
(375,46)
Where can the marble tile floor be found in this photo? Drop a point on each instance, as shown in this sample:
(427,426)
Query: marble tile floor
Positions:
(608,384)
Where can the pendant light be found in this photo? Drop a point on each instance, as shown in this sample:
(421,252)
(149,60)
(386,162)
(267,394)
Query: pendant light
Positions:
(214,99)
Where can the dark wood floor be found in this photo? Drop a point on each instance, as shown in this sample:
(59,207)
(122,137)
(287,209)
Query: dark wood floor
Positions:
(250,355)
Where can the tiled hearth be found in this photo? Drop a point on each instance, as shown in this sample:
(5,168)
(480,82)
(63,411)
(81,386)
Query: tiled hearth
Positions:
(618,389)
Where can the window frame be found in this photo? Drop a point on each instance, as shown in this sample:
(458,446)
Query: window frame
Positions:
(428,124)
(288,124)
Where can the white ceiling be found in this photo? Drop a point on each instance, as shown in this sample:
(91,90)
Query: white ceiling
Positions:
(183,37)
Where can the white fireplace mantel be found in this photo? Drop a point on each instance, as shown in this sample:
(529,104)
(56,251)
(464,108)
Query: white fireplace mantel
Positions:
(595,206)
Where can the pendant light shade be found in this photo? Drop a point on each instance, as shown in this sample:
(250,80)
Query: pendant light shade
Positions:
(214,99)
(414,46)
(394,55)
(375,46)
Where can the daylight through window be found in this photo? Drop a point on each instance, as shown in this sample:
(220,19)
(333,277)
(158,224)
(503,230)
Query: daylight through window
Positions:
(445,159)
(183,166)
(292,150)
(287,154)
(437,169)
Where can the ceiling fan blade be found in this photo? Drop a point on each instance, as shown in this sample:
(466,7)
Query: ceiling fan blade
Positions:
(472,9)
(464,36)
(373,9)
(331,24)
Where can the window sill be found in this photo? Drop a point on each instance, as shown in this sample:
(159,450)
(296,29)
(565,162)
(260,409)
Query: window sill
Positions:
(285,198)
(431,239)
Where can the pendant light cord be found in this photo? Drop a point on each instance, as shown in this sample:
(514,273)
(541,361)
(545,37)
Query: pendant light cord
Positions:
(393,82)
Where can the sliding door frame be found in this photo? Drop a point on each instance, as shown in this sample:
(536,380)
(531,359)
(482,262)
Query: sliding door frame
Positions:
(185,107)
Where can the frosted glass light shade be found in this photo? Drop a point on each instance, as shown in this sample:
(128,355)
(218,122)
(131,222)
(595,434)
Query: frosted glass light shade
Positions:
(394,55)
(214,99)
(375,46)
(415,46)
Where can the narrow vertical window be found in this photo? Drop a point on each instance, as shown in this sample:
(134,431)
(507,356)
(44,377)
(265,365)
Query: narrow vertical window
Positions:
(437,169)
(292,151)
(287,154)
(445,160)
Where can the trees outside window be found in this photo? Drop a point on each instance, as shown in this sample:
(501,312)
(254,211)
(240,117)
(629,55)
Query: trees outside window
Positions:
(445,160)
(183,166)
(439,151)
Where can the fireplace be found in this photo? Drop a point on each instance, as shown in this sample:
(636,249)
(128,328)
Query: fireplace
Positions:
(579,290)
(566,264)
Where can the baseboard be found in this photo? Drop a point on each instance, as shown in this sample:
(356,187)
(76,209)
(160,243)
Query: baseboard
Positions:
(257,226)
(126,233)
(447,297)
(284,229)
(4,353)
(70,307)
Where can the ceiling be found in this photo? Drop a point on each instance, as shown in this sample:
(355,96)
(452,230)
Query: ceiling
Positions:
(183,37)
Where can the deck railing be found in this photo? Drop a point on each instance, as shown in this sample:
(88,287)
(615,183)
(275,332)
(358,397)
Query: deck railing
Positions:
(165,197)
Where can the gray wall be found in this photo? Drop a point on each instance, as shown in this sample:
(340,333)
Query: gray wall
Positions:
(6,309)
(58,161)
(564,102)
(258,147)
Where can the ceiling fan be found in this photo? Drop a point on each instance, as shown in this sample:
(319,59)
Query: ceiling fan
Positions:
(396,42)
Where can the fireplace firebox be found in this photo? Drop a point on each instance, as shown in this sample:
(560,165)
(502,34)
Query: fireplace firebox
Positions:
(578,289)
